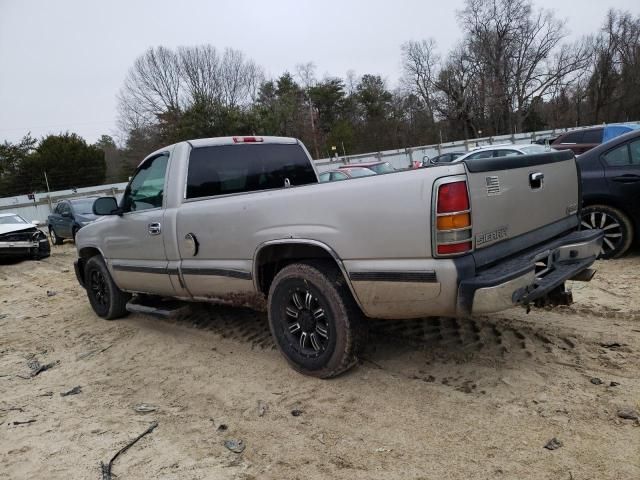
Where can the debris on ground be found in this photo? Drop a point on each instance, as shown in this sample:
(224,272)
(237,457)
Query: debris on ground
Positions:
(611,345)
(144,408)
(73,391)
(553,444)
(628,414)
(90,353)
(236,446)
(25,422)
(596,381)
(37,368)
(223,427)
(296,413)
(614,384)
(106,469)
(51,293)
(262,408)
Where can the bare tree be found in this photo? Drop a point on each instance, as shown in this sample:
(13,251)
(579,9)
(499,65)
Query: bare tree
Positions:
(306,73)
(240,78)
(201,72)
(420,63)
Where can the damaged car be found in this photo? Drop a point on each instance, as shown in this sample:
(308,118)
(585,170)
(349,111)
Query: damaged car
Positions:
(19,238)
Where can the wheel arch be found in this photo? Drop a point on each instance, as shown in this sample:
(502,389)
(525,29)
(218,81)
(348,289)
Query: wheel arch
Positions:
(84,254)
(272,256)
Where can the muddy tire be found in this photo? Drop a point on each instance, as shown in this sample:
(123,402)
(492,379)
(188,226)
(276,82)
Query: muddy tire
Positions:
(314,319)
(55,239)
(618,230)
(107,300)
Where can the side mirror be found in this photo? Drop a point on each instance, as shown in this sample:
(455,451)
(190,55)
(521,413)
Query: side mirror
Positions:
(106,206)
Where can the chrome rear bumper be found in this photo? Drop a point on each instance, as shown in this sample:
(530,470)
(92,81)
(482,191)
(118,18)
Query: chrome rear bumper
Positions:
(530,276)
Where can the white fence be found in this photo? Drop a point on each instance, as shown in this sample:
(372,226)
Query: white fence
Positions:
(404,158)
(41,205)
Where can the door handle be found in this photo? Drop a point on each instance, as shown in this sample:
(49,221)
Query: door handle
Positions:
(628,178)
(155,228)
(536,179)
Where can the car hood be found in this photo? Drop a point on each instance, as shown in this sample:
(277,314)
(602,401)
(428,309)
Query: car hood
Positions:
(14,227)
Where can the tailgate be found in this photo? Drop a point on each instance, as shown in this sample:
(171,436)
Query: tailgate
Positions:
(517,196)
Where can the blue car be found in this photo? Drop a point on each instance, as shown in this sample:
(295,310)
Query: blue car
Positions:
(68,217)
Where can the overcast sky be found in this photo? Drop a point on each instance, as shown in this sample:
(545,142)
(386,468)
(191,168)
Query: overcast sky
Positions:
(62,62)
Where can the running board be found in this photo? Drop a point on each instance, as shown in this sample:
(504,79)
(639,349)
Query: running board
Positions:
(156,306)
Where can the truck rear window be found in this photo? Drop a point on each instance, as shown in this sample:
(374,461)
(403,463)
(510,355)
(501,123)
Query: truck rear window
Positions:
(226,169)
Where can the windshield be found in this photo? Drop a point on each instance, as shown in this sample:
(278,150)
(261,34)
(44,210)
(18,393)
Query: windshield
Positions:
(84,206)
(382,168)
(11,219)
(534,149)
(361,172)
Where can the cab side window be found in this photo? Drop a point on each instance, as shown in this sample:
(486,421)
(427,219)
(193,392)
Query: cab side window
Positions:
(146,189)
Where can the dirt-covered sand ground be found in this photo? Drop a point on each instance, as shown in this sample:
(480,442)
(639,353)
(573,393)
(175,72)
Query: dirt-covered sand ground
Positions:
(432,399)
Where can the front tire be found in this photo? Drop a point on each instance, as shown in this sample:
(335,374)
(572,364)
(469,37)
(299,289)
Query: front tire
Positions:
(107,300)
(618,230)
(55,239)
(314,319)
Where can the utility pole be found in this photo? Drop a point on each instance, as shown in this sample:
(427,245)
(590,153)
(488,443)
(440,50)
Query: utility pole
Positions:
(48,191)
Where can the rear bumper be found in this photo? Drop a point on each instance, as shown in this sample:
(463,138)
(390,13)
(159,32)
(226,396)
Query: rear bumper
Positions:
(528,276)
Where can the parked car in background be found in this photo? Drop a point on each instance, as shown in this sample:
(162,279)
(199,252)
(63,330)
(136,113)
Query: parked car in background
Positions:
(377,167)
(444,158)
(544,140)
(19,238)
(579,141)
(494,151)
(345,174)
(68,217)
(611,192)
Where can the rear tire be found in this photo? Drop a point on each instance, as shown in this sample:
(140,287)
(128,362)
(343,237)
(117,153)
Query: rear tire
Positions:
(314,319)
(55,239)
(618,230)
(107,300)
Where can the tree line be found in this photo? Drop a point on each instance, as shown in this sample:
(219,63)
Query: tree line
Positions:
(513,69)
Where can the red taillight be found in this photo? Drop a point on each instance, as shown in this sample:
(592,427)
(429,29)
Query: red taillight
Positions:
(454,248)
(247,139)
(452,228)
(453,197)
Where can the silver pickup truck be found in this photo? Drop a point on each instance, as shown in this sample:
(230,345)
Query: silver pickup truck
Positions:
(244,220)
